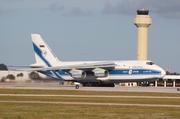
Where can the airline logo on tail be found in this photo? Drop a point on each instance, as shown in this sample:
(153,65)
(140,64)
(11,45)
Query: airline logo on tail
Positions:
(44,53)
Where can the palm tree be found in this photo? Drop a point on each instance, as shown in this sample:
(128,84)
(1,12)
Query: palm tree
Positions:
(34,75)
(10,76)
(20,75)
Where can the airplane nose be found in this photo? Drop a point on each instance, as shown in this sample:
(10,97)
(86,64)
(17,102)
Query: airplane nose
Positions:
(163,73)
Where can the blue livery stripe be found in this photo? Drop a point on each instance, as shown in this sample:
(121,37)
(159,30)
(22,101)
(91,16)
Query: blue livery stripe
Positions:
(120,72)
(39,53)
(134,72)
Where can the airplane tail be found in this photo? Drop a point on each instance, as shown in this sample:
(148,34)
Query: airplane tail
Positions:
(43,54)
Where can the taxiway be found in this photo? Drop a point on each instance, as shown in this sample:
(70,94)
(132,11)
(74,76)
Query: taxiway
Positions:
(56,86)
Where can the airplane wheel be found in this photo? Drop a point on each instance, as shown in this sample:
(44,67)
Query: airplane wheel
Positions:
(77,87)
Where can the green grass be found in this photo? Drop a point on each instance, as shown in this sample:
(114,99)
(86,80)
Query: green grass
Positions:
(21,110)
(60,111)
(157,101)
(78,92)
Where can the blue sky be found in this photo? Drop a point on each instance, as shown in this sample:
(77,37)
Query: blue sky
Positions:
(89,30)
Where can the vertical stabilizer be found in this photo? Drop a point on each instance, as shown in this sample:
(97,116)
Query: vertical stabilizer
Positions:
(43,53)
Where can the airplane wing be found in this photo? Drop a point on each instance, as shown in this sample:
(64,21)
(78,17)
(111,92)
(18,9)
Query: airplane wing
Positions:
(12,67)
(86,66)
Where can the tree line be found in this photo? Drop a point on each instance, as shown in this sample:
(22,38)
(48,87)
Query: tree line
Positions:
(32,75)
(3,67)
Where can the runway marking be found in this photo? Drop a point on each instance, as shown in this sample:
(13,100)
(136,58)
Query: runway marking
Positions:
(93,96)
(87,103)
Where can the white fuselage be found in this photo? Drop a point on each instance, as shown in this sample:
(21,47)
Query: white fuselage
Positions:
(92,71)
(124,71)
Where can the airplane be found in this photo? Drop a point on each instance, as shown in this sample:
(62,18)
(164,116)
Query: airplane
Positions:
(92,73)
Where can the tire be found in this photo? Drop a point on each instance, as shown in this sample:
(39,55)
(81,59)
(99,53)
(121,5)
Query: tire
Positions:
(77,86)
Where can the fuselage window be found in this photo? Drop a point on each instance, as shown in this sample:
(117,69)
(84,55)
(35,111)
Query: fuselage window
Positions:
(149,63)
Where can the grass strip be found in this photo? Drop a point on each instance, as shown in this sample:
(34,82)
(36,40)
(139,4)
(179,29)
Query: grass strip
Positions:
(61,111)
(78,92)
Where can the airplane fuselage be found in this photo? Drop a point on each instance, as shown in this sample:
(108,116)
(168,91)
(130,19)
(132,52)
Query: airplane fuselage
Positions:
(124,71)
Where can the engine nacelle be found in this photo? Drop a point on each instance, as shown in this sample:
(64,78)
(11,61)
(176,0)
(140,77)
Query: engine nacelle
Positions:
(77,73)
(98,72)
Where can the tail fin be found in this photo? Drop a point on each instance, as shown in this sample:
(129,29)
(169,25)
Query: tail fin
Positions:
(43,53)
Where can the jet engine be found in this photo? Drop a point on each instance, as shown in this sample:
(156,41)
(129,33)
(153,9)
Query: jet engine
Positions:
(98,72)
(77,73)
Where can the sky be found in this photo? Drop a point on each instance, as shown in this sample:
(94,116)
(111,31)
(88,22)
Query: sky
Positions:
(78,30)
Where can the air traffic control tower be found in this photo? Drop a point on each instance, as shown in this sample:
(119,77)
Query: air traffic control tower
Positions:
(142,20)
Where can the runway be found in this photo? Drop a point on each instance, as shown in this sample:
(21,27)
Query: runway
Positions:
(56,86)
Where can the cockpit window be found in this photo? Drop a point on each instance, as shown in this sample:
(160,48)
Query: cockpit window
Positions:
(149,63)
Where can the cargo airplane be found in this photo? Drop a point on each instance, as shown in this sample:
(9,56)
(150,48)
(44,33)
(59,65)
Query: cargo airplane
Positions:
(92,73)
